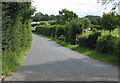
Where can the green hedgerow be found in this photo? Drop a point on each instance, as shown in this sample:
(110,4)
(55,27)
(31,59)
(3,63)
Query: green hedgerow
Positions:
(106,44)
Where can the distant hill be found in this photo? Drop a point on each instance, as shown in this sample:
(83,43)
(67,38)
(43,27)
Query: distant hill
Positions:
(94,19)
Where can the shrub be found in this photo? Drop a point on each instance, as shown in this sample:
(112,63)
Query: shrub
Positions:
(43,23)
(92,39)
(48,30)
(53,28)
(98,27)
(40,29)
(59,31)
(106,44)
(89,40)
(16,33)
(53,23)
(82,40)
(118,47)
(94,29)
(71,29)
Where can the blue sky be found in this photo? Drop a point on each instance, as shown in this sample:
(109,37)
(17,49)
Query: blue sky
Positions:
(80,7)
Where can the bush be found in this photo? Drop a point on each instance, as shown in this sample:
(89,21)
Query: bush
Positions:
(94,30)
(59,31)
(107,44)
(48,30)
(53,23)
(43,23)
(53,28)
(92,39)
(71,29)
(82,40)
(40,29)
(98,27)
(89,41)
(118,47)
(16,34)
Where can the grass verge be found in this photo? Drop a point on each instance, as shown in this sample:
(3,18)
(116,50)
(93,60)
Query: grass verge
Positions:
(107,58)
(11,61)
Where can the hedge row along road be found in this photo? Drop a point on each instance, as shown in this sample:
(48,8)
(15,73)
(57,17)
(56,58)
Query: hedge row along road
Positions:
(48,61)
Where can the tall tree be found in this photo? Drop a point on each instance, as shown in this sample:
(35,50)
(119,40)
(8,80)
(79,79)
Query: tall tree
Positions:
(109,21)
(66,15)
(94,19)
(72,28)
(86,23)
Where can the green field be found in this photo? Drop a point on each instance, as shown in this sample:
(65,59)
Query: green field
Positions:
(106,32)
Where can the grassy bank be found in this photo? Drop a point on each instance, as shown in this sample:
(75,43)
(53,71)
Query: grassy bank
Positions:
(107,58)
(11,61)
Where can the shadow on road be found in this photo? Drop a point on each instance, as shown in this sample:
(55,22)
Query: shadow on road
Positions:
(71,69)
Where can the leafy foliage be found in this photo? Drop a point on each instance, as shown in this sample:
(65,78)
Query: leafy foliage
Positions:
(98,27)
(43,23)
(16,31)
(94,29)
(65,15)
(59,31)
(72,28)
(95,20)
(50,30)
(83,40)
(89,41)
(86,23)
(43,17)
(107,44)
(109,22)
(118,47)
(92,39)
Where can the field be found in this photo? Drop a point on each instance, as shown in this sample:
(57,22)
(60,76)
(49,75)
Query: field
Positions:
(106,32)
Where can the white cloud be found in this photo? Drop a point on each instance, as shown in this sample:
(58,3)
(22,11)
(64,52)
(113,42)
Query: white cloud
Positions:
(81,7)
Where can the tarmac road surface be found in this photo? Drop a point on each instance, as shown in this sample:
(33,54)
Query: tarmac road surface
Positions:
(48,61)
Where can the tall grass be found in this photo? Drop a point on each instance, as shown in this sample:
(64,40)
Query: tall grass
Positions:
(11,61)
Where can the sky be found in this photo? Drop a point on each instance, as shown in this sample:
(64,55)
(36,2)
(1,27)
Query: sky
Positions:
(80,7)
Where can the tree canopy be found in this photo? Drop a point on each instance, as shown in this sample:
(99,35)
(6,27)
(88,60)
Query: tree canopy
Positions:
(86,23)
(43,17)
(65,15)
(109,21)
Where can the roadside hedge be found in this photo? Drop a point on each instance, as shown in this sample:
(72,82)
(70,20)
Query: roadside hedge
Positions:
(89,41)
(92,39)
(83,40)
(59,31)
(107,44)
(16,33)
(50,30)
(71,29)
(118,47)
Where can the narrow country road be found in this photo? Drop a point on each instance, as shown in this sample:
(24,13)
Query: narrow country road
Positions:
(48,61)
